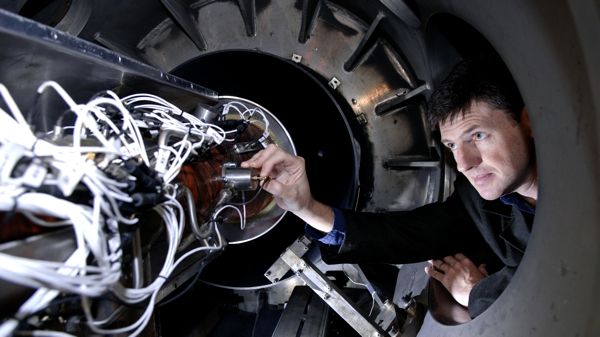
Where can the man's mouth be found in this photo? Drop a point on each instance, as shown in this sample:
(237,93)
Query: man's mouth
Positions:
(481,179)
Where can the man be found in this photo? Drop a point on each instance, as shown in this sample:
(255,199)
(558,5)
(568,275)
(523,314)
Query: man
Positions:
(483,121)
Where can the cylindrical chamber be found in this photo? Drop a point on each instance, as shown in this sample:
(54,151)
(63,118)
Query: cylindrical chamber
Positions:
(205,113)
(240,179)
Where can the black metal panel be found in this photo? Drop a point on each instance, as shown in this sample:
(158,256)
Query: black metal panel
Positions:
(32,53)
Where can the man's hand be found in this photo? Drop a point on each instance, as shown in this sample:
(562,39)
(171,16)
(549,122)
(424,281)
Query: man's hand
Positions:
(289,185)
(458,275)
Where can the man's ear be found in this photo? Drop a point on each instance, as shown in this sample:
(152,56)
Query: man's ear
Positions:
(525,122)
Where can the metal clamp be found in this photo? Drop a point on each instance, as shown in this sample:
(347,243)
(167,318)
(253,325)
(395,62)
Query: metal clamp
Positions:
(322,286)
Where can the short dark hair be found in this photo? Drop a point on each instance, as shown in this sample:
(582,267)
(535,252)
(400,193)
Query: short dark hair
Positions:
(475,80)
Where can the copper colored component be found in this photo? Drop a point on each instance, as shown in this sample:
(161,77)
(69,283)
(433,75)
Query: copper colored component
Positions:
(203,178)
(18,227)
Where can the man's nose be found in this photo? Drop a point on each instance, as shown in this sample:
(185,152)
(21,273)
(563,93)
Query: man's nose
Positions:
(467,157)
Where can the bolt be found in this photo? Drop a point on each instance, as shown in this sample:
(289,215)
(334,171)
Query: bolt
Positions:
(326,297)
(268,273)
(353,101)
(328,288)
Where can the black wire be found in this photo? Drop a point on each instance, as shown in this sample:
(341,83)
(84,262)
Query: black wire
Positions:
(183,292)
(251,144)
(253,198)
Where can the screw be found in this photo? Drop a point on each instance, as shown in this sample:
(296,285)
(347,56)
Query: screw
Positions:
(268,273)
(353,101)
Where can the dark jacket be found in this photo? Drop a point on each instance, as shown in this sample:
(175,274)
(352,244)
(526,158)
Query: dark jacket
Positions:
(488,232)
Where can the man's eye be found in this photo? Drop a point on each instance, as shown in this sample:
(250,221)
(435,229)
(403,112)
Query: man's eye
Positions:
(452,146)
(480,135)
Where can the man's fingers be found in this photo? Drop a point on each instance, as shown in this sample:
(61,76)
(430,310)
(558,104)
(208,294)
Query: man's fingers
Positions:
(483,270)
(435,274)
(274,187)
(270,159)
(450,260)
(436,263)
(246,163)
(258,159)
(460,256)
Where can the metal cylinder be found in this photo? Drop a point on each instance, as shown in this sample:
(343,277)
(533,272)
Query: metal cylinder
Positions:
(204,113)
(240,178)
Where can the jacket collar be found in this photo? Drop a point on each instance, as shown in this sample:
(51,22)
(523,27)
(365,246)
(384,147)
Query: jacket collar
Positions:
(497,207)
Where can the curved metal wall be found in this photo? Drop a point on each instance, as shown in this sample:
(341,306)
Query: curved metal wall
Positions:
(552,50)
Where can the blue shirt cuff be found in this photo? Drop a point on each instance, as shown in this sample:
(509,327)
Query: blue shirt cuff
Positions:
(335,237)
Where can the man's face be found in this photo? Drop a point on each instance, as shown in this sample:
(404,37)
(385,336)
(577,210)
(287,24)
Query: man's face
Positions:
(492,151)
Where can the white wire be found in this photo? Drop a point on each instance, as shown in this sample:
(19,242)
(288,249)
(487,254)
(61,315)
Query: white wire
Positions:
(96,228)
(14,109)
(361,284)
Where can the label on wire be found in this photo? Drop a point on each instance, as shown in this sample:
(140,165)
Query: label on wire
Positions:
(215,135)
(70,175)
(133,149)
(162,159)
(34,175)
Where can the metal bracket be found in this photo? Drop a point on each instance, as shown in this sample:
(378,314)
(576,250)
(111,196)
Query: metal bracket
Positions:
(394,103)
(322,286)
(241,148)
(334,83)
(289,257)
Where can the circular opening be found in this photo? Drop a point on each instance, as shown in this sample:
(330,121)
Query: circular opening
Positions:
(48,12)
(317,127)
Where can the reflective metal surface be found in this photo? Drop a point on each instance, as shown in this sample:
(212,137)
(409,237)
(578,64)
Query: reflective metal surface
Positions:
(305,315)
(35,53)
(379,77)
(260,223)
(323,287)
(550,46)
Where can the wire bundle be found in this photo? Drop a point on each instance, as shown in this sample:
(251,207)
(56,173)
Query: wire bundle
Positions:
(250,112)
(51,174)
(195,132)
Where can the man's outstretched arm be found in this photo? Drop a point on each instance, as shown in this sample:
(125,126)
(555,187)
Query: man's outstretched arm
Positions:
(289,185)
